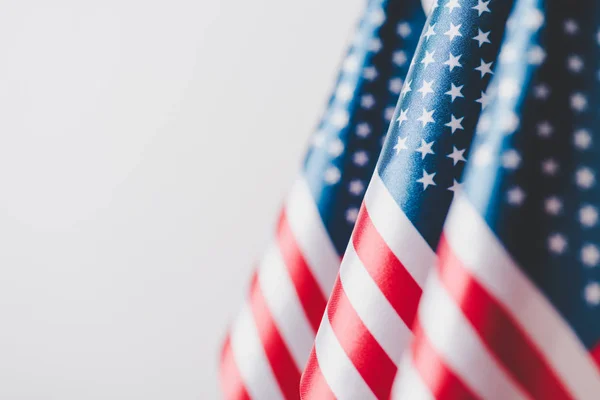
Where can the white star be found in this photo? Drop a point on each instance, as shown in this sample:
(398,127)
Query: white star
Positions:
(406,88)
(426,88)
(575,64)
(553,205)
(455,186)
(428,59)
(367,101)
(370,73)
(578,102)
(515,196)
(360,158)
(511,159)
(483,156)
(430,32)
(481,7)
(403,117)
(544,129)
(485,68)
(395,85)
(427,179)
(351,215)
(484,100)
(335,148)
(534,20)
(332,175)
(550,167)
(350,64)
(557,243)
(399,58)
(377,17)
(426,117)
(453,31)
(585,178)
(536,55)
(451,5)
(588,216)
(510,123)
(356,187)
(592,293)
(318,138)
(508,53)
(452,61)
(457,155)
(582,139)
(590,255)
(482,37)
(363,130)
(344,92)
(508,88)
(454,92)
(339,118)
(455,123)
(375,45)
(404,29)
(425,149)
(571,27)
(388,113)
(541,91)
(401,144)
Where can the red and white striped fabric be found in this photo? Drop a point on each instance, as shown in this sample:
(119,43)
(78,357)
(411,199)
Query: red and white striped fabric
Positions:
(484,331)
(372,306)
(269,342)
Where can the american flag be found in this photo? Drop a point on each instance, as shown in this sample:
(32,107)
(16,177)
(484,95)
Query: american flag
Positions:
(373,304)
(269,342)
(513,309)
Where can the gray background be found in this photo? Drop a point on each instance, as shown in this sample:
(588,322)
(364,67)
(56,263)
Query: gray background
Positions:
(145,147)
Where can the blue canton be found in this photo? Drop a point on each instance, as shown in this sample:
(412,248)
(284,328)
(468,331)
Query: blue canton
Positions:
(348,140)
(533,174)
(440,103)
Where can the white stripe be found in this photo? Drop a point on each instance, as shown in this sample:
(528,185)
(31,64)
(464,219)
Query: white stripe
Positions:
(311,235)
(458,344)
(408,384)
(340,374)
(401,236)
(480,251)
(372,307)
(285,308)
(250,358)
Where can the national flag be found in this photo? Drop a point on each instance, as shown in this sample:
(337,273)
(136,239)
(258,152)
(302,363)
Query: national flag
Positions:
(513,309)
(369,316)
(269,342)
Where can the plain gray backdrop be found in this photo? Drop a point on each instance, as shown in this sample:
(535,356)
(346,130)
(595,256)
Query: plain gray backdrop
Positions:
(145,149)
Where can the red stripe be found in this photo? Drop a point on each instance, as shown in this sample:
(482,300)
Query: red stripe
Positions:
(498,330)
(595,353)
(312,383)
(371,361)
(310,295)
(232,385)
(394,281)
(281,361)
(434,371)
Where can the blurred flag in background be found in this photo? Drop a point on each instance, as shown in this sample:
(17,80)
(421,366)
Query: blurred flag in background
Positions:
(513,309)
(270,340)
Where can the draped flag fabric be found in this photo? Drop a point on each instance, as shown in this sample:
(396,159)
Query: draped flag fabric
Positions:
(270,340)
(369,316)
(482,285)
(513,309)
